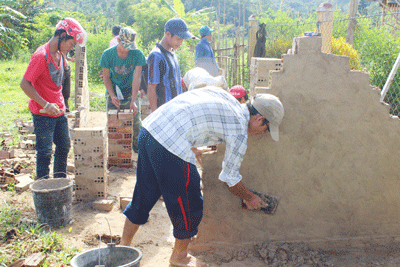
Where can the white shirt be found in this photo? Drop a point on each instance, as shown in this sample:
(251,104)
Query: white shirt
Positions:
(203,117)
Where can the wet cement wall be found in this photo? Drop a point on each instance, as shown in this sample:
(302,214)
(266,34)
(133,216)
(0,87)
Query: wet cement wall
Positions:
(335,169)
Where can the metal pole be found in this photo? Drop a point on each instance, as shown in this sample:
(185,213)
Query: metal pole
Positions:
(390,78)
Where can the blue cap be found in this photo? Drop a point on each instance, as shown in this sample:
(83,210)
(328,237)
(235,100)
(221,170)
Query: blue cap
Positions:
(178,27)
(205,30)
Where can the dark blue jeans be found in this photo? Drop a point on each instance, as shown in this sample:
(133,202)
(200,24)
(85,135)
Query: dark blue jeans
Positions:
(51,130)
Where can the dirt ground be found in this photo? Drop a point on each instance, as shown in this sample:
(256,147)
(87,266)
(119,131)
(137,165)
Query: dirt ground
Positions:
(155,238)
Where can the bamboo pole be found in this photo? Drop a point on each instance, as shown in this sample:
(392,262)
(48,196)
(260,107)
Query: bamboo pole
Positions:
(352,21)
(390,78)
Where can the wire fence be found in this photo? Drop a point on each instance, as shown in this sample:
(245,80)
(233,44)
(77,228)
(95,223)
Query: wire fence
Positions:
(375,48)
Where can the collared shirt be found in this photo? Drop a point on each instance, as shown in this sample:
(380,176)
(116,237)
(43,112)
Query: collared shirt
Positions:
(204,57)
(165,72)
(203,117)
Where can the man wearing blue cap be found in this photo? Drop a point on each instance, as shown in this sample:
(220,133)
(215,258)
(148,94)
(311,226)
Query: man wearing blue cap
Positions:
(204,54)
(164,82)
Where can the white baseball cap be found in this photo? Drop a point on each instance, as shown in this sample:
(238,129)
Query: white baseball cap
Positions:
(271,108)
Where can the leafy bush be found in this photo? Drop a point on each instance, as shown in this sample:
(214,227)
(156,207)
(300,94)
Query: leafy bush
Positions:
(95,47)
(341,47)
(276,48)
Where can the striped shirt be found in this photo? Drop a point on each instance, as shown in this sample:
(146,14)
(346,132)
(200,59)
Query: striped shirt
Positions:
(203,117)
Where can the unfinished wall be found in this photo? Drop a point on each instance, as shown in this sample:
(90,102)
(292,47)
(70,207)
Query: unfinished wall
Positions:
(81,87)
(335,167)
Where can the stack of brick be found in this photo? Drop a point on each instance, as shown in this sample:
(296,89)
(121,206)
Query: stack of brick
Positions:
(90,152)
(81,87)
(120,134)
(259,72)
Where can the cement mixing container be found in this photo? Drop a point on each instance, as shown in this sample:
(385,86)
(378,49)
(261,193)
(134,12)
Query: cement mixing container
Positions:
(110,256)
(53,200)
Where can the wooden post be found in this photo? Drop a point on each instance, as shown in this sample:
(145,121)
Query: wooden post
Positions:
(352,21)
(253,26)
(325,18)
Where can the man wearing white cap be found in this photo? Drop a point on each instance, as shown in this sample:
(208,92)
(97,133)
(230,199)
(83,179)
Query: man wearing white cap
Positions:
(167,153)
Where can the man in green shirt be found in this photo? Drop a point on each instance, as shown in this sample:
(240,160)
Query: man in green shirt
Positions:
(122,67)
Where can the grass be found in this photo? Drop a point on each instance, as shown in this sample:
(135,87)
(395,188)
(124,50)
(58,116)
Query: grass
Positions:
(30,238)
(14,102)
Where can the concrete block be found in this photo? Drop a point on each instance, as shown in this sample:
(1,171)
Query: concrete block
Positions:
(103,204)
(124,201)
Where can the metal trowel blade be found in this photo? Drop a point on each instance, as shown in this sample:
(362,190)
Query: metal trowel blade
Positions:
(271,200)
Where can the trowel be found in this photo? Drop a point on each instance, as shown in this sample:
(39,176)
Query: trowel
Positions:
(271,200)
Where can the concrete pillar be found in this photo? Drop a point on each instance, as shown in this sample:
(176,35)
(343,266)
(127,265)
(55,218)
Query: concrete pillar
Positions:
(325,20)
(253,27)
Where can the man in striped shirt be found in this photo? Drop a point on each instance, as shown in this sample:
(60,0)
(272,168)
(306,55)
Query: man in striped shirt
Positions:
(167,154)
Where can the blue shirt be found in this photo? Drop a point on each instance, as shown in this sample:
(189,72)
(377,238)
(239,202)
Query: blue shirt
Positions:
(164,70)
(204,57)
(202,117)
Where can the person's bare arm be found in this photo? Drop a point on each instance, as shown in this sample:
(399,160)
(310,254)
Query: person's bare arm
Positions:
(109,87)
(30,91)
(151,92)
(252,201)
(135,89)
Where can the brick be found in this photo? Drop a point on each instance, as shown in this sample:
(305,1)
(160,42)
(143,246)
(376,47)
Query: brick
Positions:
(126,129)
(103,204)
(88,132)
(124,201)
(4,187)
(125,115)
(127,123)
(7,178)
(112,123)
(20,178)
(89,172)
(128,136)
(23,186)
(112,115)
(34,260)
(114,161)
(119,148)
(70,167)
(124,142)
(125,154)
(4,154)
(27,170)
(31,137)
(115,136)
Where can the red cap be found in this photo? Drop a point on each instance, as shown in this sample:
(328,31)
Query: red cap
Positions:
(238,91)
(73,28)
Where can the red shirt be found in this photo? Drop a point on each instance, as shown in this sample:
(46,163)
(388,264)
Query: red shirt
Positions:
(46,77)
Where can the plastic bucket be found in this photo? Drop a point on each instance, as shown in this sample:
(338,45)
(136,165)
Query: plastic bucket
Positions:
(110,256)
(53,201)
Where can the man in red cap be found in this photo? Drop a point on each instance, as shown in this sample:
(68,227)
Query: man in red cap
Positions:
(42,83)
(239,93)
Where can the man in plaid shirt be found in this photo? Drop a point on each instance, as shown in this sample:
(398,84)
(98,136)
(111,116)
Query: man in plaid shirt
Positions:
(167,154)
